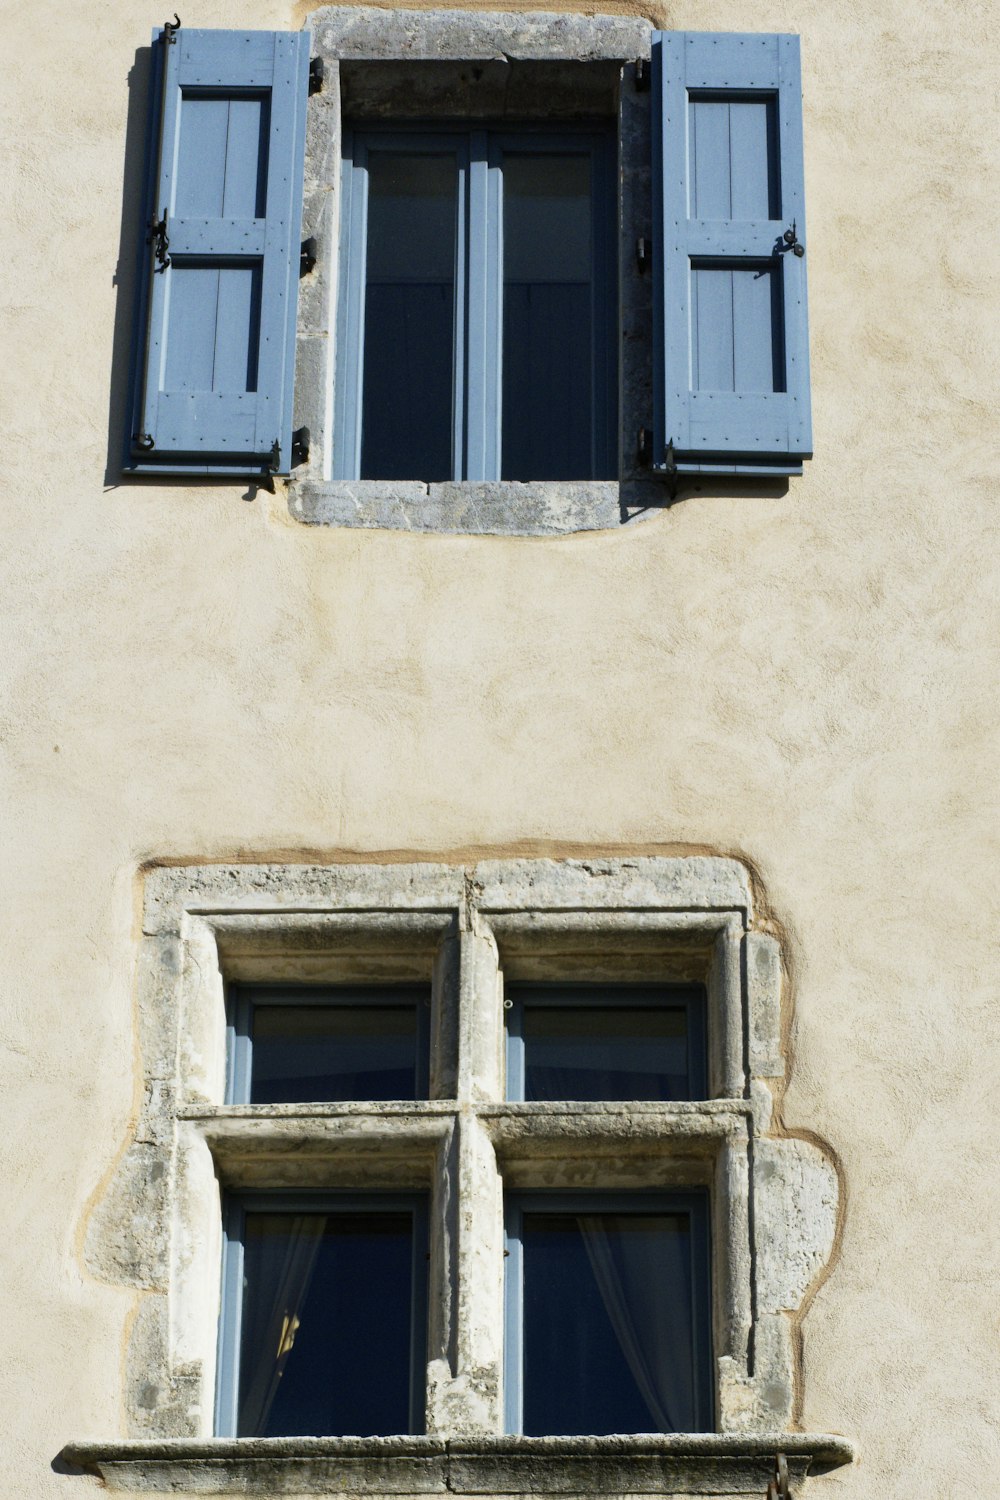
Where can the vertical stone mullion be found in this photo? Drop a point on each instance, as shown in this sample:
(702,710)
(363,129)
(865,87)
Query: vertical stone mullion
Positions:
(464,1371)
(464,1387)
(480,1021)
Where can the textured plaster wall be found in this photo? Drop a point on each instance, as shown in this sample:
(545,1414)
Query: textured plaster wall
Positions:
(807,680)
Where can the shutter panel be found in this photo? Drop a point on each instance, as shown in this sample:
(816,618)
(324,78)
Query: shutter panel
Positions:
(731,347)
(227,166)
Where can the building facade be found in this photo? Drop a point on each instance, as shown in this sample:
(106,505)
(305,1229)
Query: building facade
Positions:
(501,987)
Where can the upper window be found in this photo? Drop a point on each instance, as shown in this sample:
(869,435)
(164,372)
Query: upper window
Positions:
(552,274)
(476,334)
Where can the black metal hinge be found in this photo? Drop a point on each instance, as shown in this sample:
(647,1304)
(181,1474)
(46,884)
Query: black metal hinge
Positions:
(642,75)
(300,446)
(170,29)
(307,255)
(669,469)
(317,73)
(157,237)
(642,253)
(644,447)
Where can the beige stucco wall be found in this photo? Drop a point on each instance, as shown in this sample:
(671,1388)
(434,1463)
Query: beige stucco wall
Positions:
(807,681)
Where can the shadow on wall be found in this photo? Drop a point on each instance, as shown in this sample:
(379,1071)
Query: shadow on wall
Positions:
(131,246)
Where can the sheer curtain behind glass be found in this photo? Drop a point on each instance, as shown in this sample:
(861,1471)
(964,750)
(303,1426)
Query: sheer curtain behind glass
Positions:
(608,1327)
(326,1339)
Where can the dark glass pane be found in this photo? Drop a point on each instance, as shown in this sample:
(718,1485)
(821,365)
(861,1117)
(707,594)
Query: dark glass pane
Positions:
(330,1053)
(581,1048)
(326,1342)
(548,326)
(608,1337)
(409,317)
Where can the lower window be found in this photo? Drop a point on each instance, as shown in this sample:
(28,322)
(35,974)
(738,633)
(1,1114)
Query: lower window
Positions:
(608,1314)
(324,1302)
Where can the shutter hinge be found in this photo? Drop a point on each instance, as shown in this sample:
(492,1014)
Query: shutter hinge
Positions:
(170,29)
(144,441)
(307,255)
(778,1487)
(300,446)
(669,469)
(644,447)
(157,237)
(642,253)
(641,75)
(317,73)
(274,458)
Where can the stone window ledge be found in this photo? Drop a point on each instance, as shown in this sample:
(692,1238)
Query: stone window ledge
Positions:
(497,507)
(723,1465)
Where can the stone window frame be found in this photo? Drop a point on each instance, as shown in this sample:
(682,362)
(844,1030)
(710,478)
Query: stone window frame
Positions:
(498,47)
(158,1226)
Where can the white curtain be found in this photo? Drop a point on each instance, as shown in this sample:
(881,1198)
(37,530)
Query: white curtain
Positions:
(643,1273)
(284,1262)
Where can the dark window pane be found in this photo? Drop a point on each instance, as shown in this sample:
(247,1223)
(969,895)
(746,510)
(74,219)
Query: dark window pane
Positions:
(594,1042)
(608,1338)
(548,325)
(330,1053)
(409,317)
(326,1336)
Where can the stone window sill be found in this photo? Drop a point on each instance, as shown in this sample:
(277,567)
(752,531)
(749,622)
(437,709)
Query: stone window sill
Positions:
(495,507)
(678,1465)
(502,507)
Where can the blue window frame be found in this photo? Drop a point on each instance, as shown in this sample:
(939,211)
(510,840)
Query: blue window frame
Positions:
(477,326)
(606,1041)
(608,1313)
(324,1314)
(318,1044)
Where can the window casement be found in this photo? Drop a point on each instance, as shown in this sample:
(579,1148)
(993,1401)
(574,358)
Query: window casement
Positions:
(608,1313)
(477,305)
(323,1315)
(488,298)
(327,1044)
(508,1181)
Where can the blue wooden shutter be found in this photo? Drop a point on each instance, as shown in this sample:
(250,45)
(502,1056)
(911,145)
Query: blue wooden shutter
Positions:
(731,351)
(214,392)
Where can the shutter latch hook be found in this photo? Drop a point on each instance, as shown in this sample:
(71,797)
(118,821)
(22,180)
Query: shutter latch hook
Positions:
(792,243)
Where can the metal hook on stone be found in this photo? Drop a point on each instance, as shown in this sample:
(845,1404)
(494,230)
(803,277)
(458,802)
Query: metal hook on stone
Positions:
(778,1489)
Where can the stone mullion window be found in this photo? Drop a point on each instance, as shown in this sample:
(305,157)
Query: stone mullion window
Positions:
(469,931)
